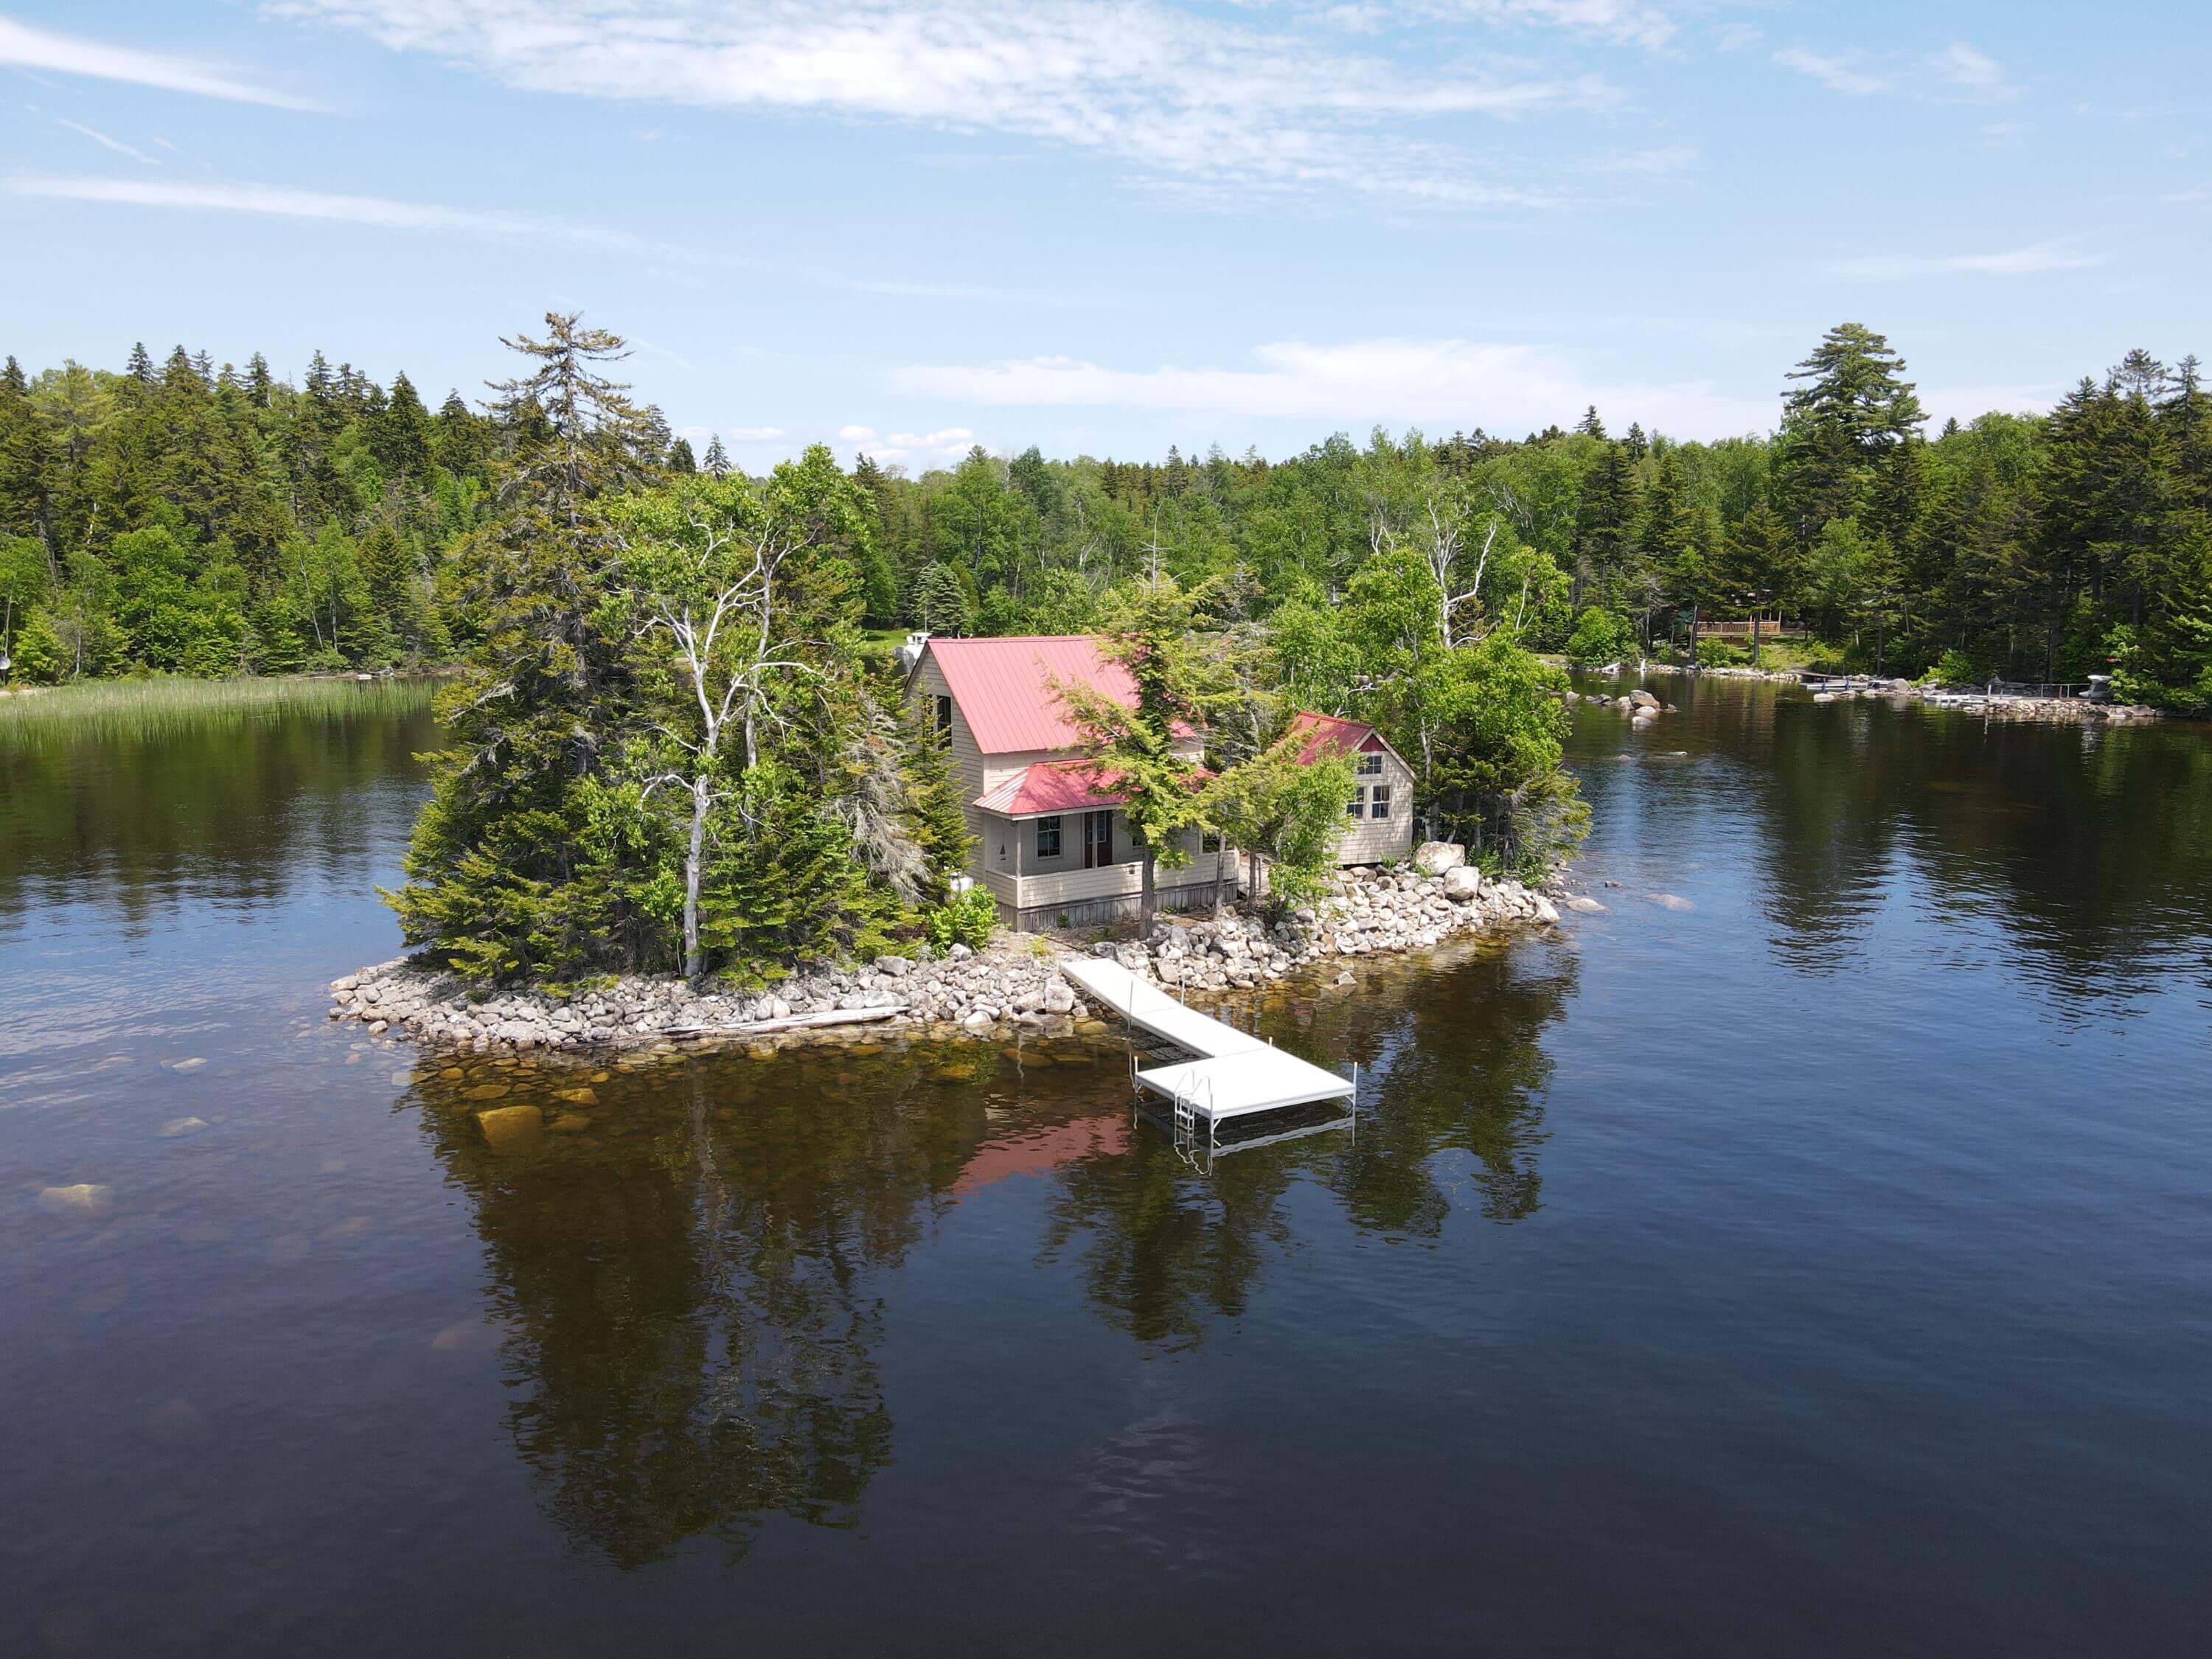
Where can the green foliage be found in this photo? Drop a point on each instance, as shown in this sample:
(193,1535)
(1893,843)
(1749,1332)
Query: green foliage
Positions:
(1718,653)
(1953,668)
(966,918)
(1600,637)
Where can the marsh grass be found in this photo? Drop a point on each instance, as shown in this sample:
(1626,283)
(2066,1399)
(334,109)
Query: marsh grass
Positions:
(114,710)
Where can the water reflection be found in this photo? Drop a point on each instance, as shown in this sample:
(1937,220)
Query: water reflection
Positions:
(692,1260)
(237,812)
(2084,847)
(692,1277)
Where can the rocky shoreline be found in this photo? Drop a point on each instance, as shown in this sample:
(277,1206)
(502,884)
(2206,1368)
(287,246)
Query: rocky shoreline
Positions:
(1996,705)
(1013,988)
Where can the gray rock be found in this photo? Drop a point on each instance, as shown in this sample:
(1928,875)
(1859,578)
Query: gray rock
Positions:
(1433,858)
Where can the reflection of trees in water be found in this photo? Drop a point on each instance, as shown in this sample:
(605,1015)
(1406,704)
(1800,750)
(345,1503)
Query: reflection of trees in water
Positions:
(2095,844)
(688,1287)
(1453,1061)
(244,807)
(1163,1252)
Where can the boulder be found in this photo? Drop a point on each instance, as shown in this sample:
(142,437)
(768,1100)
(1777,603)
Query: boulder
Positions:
(85,1201)
(1433,858)
(509,1129)
(1645,700)
(1463,883)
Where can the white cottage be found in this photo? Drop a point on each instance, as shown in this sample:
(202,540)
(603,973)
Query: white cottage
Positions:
(1052,844)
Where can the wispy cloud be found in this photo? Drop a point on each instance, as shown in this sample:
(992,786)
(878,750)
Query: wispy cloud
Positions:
(1973,72)
(24,47)
(1836,74)
(377,212)
(99,137)
(1176,93)
(1459,383)
(2062,255)
(756,435)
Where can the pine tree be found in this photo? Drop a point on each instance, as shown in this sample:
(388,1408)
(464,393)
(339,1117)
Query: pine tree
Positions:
(717,464)
(1852,410)
(493,866)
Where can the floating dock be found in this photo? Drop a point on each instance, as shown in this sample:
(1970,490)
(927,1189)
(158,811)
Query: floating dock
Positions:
(1235,1074)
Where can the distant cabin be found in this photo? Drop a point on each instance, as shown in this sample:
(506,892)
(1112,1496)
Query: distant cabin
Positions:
(1052,844)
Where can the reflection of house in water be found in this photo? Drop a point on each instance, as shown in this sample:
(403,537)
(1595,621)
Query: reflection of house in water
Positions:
(1042,1149)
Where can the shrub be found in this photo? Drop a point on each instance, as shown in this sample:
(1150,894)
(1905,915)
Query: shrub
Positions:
(1599,637)
(1719,653)
(1953,668)
(964,919)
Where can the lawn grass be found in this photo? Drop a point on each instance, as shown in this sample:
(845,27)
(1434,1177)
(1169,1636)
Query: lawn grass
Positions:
(163,706)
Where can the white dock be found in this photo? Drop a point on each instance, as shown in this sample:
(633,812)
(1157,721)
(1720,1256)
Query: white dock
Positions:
(1235,1074)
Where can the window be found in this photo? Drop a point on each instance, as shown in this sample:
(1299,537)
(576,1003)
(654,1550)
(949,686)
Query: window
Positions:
(1381,802)
(1357,807)
(1048,838)
(945,717)
(1370,766)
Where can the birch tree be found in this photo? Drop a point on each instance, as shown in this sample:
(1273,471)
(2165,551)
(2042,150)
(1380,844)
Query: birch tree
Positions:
(729,587)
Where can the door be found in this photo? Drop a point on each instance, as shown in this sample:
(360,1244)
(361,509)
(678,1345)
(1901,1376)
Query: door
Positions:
(1097,839)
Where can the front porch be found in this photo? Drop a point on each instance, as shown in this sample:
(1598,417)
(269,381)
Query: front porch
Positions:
(1107,892)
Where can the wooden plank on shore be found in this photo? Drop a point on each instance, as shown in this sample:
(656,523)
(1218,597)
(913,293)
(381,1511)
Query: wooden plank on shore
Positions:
(789,1023)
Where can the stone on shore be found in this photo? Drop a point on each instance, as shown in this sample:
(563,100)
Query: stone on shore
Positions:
(1433,858)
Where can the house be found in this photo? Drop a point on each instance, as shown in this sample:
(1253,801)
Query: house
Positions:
(1052,844)
(1380,814)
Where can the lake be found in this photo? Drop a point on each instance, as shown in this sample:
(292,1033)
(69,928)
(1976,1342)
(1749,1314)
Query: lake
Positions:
(1811,1253)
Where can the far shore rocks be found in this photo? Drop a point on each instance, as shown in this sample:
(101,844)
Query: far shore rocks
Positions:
(1014,987)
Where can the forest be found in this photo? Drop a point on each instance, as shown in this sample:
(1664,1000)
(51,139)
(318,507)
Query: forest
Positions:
(190,519)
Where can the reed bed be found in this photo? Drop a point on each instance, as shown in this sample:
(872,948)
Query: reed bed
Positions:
(112,710)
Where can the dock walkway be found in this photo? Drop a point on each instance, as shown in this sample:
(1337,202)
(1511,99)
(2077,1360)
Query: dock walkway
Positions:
(1235,1074)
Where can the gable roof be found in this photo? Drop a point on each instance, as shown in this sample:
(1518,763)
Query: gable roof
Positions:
(1324,732)
(1004,687)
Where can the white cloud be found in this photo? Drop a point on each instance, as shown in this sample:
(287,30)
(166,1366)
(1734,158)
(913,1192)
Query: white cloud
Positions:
(1964,403)
(2014,261)
(857,434)
(24,47)
(115,145)
(377,212)
(756,435)
(1445,382)
(1177,95)
(1972,71)
(1836,74)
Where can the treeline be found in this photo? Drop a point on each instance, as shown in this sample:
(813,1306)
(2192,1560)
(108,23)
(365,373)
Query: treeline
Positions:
(2021,547)
(197,519)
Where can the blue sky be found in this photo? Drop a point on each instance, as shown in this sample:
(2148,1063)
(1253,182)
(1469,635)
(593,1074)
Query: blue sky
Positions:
(908,227)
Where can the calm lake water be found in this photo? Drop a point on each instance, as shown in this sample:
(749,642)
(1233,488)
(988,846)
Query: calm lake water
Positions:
(1810,1254)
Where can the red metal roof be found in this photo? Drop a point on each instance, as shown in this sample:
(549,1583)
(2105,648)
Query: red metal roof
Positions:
(1325,732)
(1004,687)
(1047,787)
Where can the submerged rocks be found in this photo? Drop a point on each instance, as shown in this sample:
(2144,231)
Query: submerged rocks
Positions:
(85,1202)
